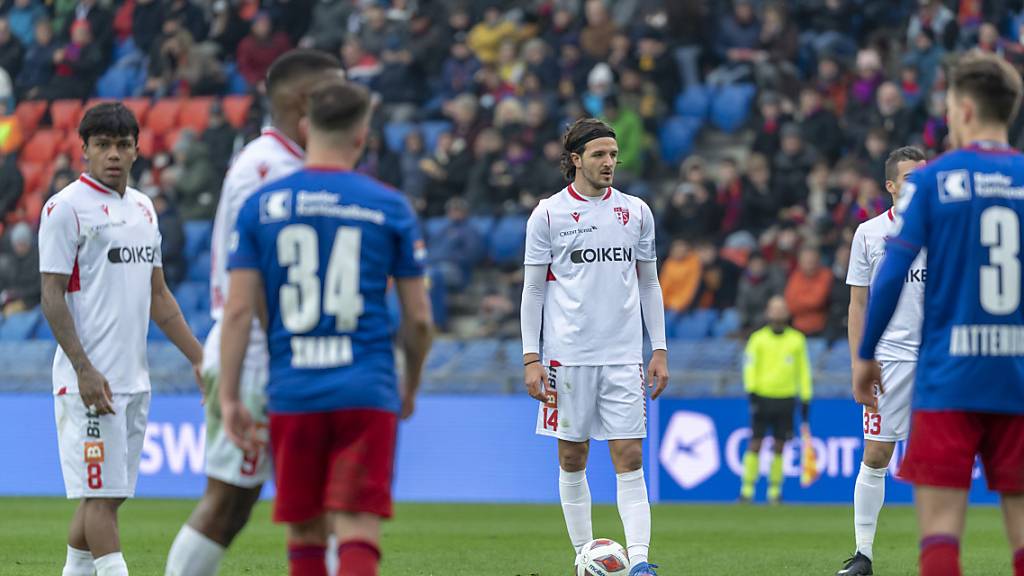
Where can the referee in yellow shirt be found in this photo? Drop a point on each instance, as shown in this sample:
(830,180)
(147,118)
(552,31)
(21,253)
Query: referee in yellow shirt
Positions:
(775,372)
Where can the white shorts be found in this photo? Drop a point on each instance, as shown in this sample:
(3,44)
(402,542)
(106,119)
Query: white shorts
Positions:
(594,402)
(99,455)
(225,461)
(892,420)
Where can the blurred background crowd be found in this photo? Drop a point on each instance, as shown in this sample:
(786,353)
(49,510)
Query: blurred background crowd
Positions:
(756,130)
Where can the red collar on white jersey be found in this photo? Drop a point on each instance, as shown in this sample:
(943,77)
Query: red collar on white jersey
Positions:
(574,194)
(889,212)
(288,144)
(96,185)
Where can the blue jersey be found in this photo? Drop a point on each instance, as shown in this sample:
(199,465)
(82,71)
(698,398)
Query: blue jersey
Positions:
(325,243)
(966,208)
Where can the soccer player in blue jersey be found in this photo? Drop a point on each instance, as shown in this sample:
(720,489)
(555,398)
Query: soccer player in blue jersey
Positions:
(965,208)
(313,254)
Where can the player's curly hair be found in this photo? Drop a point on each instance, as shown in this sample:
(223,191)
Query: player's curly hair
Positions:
(108,119)
(575,141)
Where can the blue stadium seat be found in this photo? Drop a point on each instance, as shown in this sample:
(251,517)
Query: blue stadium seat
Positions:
(695,325)
(816,347)
(731,106)
(155,333)
(200,324)
(438,298)
(20,326)
(676,136)
(720,355)
(442,353)
(193,297)
(433,226)
(693,102)
(483,225)
(508,240)
(837,359)
(43,331)
(197,236)
(432,131)
(199,267)
(727,323)
(395,133)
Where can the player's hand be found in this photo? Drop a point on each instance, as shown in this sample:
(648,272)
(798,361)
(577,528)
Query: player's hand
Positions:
(866,377)
(197,373)
(408,400)
(536,378)
(95,391)
(239,426)
(658,372)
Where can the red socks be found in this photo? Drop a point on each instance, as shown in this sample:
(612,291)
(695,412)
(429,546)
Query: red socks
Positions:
(358,558)
(1018,562)
(307,560)
(940,555)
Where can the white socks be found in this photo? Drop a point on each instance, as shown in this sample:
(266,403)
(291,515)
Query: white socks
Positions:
(635,511)
(575,495)
(868,496)
(78,563)
(193,554)
(111,565)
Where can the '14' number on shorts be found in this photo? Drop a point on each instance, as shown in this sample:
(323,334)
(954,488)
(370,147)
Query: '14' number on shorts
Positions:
(551,419)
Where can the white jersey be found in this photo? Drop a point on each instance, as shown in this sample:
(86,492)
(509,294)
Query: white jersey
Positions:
(270,157)
(108,245)
(903,336)
(591,247)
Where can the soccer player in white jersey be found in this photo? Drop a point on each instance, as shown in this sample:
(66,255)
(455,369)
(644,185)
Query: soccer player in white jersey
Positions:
(897,355)
(102,282)
(234,478)
(591,268)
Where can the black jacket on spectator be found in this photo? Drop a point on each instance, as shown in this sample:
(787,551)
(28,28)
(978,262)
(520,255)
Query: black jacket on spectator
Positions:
(190,16)
(37,71)
(789,176)
(838,309)
(11,54)
(822,128)
(147,23)
(327,29)
(19,276)
(101,23)
(690,217)
(760,207)
(85,70)
(172,245)
(11,183)
(220,142)
(753,294)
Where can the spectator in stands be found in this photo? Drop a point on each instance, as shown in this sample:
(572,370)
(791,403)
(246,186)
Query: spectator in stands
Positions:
(327,30)
(641,95)
(196,183)
(459,69)
(486,182)
(829,27)
(832,83)
(839,298)
(819,125)
(891,114)
(61,179)
(20,285)
(874,153)
(464,111)
(509,65)
(691,212)
(910,87)
(770,121)
(376,31)
(413,182)
(11,50)
(172,243)
(861,97)
(778,51)
(260,48)
(11,182)
(933,14)
(360,66)
(629,134)
(537,55)
(191,17)
(760,281)
(596,36)
(736,44)
(789,171)
(729,199)
(77,65)
(935,131)
(925,55)
(219,138)
(680,277)
(100,24)
(11,133)
(228,28)
(545,176)
(446,170)
(807,292)
(760,204)
(23,16)
(400,83)
(427,43)
(486,37)
(168,58)
(600,85)
(457,247)
(657,64)
(147,23)
(719,278)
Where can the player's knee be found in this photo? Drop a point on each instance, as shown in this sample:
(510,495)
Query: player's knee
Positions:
(628,458)
(311,532)
(877,455)
(755,445)
(778,445)
(572,457)
(222,514)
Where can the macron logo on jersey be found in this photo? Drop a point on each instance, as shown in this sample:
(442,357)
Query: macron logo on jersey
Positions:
(276,206)
(954,186)
(689,449)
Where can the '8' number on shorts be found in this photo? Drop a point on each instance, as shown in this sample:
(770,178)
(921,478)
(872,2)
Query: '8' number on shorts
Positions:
(94,475)
(872,423)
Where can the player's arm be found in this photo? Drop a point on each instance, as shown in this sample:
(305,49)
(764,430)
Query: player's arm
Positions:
(244,285)
(165,312)
(415,335)
(531,309)
(92,386)
(653,309)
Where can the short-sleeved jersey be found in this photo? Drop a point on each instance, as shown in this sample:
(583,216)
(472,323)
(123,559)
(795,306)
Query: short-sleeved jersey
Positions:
(108,244)
(902,338)
(325,243)
(268,158)
(966,208)
(592,302)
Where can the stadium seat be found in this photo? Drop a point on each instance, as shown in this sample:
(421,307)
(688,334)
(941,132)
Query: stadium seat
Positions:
(508,240)
(197,236)
(432,131)
(20,326)
(816,348)
(66,114)
(199,267)
(29,114)
(236,109)
(442,354)
(163,116)
(433,226)
(193,297)
(483,225)
(147,143)
(155,333)
(29,207)
(42,147)
(694,102)
(195,114)
(727,323)
(695,325)
(166,142)
(43,331)
(731,106)
(32,173)
(139,107)
(200,324)
(395,133)
(676,136)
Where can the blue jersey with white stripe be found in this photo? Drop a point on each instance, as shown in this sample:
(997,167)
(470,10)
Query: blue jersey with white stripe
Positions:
(966,208)
(325,243)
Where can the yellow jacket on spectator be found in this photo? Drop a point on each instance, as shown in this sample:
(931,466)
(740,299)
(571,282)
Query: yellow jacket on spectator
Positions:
(776,365)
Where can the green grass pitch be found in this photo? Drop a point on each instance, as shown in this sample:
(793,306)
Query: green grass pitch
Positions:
(452,540)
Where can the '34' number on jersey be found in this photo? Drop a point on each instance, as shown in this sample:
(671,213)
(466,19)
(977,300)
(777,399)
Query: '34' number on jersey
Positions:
(300,300)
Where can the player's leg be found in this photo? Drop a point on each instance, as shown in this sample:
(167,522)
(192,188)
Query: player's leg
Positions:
(1013,516)
(358,538)
(751,458)
(631,497)
(1002,454)
(574,491)
(941,513)
(79,559)
(72,433)
(307,545)
(781,417)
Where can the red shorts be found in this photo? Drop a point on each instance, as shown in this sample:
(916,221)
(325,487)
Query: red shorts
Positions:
(943,445)
(333,461)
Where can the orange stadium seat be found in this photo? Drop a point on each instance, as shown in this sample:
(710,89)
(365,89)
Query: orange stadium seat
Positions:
(66,114)
(170,139)
(42,146)
(195,114)
(32,173)
(147,145)
(163,116)
(30,113)
(139,107)
(236,109)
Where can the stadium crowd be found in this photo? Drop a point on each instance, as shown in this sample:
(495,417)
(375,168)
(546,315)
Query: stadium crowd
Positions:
(793,105)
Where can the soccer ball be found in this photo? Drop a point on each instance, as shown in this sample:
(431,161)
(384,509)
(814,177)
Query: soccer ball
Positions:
(602,557)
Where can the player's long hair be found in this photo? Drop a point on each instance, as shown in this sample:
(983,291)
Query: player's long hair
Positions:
(575,141)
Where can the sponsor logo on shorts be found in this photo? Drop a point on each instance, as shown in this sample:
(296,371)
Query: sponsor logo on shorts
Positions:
(93,452)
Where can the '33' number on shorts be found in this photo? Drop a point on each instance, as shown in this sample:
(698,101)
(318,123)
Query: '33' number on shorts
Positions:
(297,249)
(872,423)
(1000,279)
